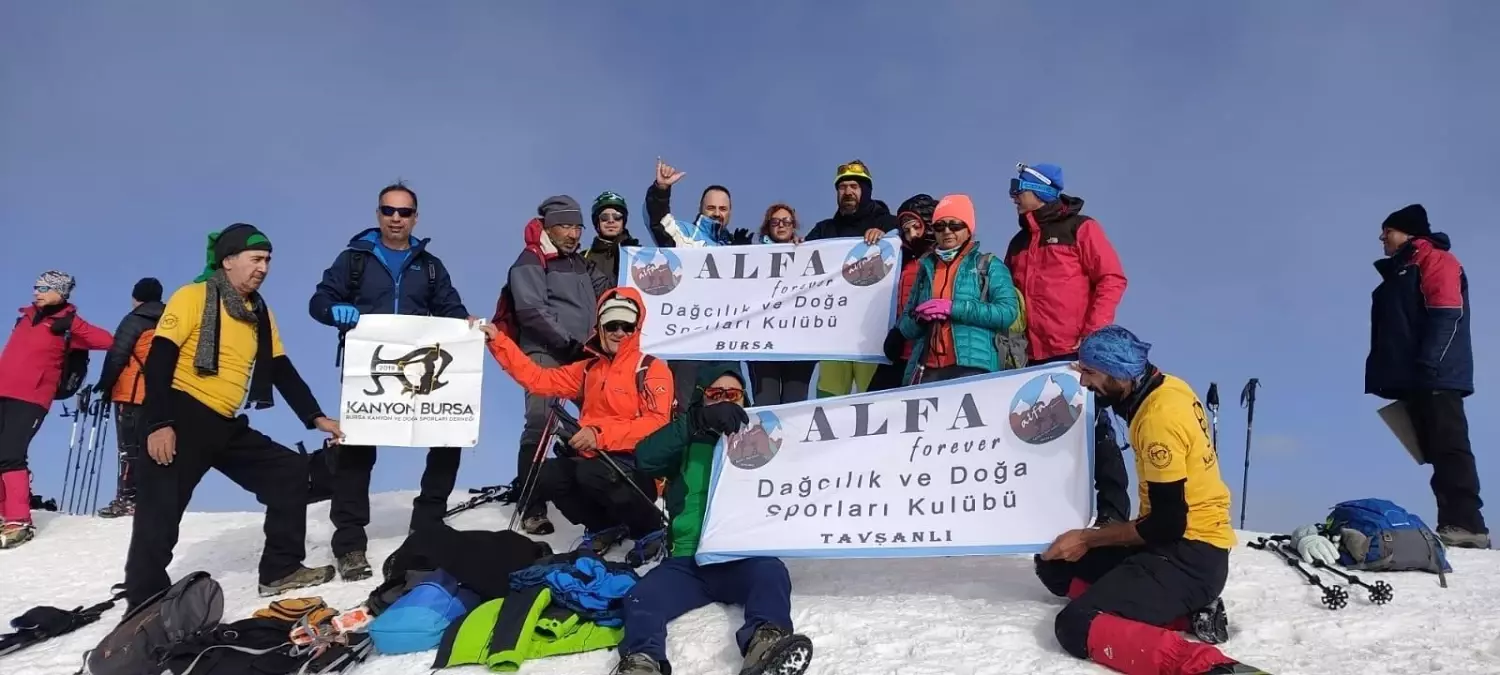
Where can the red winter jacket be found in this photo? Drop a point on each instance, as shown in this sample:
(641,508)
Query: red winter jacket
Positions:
(32,363)
(1069,274)
(909,270)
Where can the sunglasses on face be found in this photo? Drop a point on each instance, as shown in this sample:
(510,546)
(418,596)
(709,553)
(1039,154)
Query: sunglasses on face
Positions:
(389,211)
(718,394)
(780,222)
(611,218)
(949,226)
(619,327)
(43,289)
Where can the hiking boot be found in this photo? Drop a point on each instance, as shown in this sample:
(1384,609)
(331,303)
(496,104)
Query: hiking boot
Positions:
(1458,537)
(637,664)
(537,524)
(13,535)
(353,566)
(302,578)
(773,651)
(118,507)
(647,549)
(604,541)
(1210,624)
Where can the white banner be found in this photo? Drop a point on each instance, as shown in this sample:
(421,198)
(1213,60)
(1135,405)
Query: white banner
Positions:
(412,381)
(991,464)
(831,299)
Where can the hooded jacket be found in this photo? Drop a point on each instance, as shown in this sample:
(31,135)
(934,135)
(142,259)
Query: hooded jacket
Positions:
(124,364)
(685,457)
(975,321)
(603,257)
(384,288)
(1419,322)
(31,365)
(555,296)
(604,386)
(1069,274)
(872,213)
(669,232)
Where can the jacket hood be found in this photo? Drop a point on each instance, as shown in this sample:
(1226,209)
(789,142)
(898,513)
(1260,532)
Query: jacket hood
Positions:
(631,345)
(149,310)
(1438,240)
(713,370)
(368,239)
(1389,265)
(868,210)
(1066,205)
(536,239)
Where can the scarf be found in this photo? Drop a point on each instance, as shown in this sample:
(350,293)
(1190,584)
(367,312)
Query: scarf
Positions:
(206,360)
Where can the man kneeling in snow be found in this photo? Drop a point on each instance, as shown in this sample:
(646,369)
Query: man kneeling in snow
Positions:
(1133,584)
(623,396)
(683,453)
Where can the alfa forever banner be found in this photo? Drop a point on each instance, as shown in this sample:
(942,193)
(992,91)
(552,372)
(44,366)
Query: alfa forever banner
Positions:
(412,381)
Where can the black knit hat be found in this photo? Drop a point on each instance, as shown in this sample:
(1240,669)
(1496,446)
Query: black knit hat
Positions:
(920,204)
(1411,219)
(146,290)
(232,240)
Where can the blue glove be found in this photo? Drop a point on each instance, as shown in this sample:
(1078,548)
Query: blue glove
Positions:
(345,316)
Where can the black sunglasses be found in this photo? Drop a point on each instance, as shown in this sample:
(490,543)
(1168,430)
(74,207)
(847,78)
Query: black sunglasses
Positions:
(949,226)
(403,211)
(619,327)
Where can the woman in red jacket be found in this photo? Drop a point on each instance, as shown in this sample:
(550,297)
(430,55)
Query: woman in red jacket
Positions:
(915,215)
(30,369)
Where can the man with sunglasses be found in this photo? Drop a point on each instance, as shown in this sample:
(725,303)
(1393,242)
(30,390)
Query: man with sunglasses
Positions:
(384,270)
(31,368)
(1068,272)
(683,453)
(623,395)
(609,216)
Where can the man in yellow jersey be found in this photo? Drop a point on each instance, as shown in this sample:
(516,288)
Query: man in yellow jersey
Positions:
(216,348)
(1133,585)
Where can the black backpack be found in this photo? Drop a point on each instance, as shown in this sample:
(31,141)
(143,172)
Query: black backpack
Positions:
(75,361)
(148,634)
(357,273)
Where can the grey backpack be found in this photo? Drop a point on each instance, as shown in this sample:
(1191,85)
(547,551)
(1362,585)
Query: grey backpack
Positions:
(1010,344)
(139,645)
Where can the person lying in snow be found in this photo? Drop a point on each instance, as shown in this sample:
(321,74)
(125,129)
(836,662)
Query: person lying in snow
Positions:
(623,397)
(1133,584)
(683,453)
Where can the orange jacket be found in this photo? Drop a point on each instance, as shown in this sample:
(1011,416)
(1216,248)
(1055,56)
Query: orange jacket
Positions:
(606,385)
(131,388)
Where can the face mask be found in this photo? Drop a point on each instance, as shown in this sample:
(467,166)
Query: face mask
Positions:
(947,254)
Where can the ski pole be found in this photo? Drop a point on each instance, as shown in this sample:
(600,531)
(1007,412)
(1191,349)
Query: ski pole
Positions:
(1334,597)
(1247,400)
(1380,593)
(97,472)
(1213,413)
(72,448)
(528,485)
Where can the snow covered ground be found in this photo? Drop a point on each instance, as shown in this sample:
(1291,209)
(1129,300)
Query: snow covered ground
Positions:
(950,616)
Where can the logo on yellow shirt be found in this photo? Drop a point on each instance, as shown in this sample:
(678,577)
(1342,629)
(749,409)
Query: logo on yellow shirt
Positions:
(1159,456)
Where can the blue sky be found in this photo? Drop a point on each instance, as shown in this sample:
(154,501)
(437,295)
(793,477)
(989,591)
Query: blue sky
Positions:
(1240,155)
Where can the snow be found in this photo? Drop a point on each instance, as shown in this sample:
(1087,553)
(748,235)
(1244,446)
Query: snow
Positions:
(983,615)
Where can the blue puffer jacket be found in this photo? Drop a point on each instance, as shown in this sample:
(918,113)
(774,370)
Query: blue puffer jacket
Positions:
(975,321)
(406,289)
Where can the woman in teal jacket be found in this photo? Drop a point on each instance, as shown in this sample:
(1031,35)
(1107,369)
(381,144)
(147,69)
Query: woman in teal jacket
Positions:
(951,321)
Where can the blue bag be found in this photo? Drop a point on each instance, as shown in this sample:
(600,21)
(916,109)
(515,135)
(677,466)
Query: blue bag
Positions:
(1377,535)
(416,621)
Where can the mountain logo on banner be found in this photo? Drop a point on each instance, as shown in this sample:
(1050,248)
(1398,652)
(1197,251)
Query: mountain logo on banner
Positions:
(866,265)
(656,271)
(419,371)
(1046,407)
(757,445)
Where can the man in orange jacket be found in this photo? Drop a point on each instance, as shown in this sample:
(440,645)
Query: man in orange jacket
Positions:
(623,396)
(123,381)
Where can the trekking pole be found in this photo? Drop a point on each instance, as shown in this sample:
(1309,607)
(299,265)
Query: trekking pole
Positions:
(1247,401)
(1213,413)
(91,460)
(528,485)
(1334,597)
(96,471)
(86,420)
(72,449)
(1380,593)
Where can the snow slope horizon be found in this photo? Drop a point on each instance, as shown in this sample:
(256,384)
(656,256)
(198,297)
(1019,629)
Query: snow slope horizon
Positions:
(919,616)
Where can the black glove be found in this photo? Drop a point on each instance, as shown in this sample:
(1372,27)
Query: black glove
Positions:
(894,343)
(740,237)
(720,418)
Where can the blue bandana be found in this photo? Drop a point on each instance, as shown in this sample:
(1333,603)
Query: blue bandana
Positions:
(1116,352)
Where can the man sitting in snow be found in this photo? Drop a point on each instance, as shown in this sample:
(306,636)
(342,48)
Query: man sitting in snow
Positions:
(1132,584)
(683,453)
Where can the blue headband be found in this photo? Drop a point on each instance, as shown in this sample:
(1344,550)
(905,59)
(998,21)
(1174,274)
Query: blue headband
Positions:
(1116,352)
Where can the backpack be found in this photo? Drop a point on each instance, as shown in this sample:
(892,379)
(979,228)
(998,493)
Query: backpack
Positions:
(1379,536)
(149,632)
(416,621)
(505,307)
(1010,345)
(640,376)
(75,361)
(357,274)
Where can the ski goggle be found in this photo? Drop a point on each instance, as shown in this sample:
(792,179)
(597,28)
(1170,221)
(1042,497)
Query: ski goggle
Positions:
(719,394)
(1033,181)
(618,327)
(854,169)
(404,212)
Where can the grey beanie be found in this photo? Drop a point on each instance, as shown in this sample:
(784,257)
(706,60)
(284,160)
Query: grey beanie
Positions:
(560,210)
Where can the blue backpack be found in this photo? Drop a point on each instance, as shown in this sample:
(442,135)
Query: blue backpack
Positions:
(1378,536)
(416,621)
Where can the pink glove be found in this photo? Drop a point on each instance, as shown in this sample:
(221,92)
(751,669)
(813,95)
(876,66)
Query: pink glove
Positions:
(936,309)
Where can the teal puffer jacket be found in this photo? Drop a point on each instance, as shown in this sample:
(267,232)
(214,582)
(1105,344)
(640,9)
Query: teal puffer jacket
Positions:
(975,320)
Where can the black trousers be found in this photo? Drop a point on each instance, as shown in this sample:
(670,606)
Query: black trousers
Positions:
(532,431)
(1443,436)
(128,438)
(947,373)
(888,376)
(592,493)
(206,440)
(1111,483)
(1157,585)
(780,381)
(349,508)
(19,421)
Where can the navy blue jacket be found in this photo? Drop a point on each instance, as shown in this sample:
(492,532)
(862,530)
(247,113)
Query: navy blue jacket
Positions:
(378,284)
(1419,323)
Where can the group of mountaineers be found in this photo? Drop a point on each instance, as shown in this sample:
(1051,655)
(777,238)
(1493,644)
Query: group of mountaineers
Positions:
(177,374)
